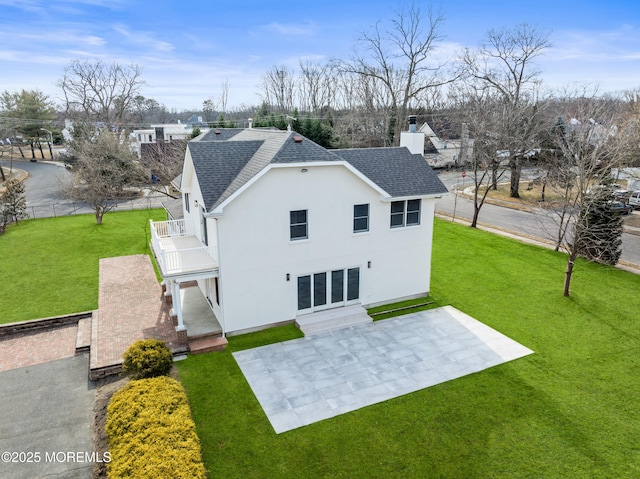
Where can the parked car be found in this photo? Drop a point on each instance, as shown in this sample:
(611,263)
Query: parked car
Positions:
(619,207)
(622,195)
(634,199)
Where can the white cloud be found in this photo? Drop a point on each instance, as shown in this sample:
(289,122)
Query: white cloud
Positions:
(594,46)
(143,39)
(291,29)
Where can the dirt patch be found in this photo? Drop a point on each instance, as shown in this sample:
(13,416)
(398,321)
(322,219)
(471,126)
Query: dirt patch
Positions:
(106,388)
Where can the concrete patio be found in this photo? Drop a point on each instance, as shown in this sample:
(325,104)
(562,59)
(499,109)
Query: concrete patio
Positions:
(306,380)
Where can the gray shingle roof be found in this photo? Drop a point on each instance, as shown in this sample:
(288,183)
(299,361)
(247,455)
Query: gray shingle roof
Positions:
(225,161)
(396,170)
(173,208)
(220,134)
(218,163)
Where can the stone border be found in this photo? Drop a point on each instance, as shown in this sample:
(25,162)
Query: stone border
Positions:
(44,323)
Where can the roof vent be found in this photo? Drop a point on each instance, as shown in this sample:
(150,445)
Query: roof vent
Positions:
(217,132)
(297,138)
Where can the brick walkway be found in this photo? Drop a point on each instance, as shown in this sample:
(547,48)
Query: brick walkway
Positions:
(37,347)
(130,307)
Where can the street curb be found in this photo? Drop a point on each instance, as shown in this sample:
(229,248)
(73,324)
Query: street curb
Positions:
(21,175)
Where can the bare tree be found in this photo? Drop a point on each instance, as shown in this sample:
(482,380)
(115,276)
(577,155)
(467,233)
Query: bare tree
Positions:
(401,59)
(317,86)
(102,169)
(483,114)
(96,91)
(163,162)
(278,88)
(224,95)
(505,63)
(589,145)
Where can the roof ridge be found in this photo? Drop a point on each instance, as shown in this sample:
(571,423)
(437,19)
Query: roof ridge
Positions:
(258,162)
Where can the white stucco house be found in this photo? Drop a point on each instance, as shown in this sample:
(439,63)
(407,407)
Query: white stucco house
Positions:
(157,135)
(277,227)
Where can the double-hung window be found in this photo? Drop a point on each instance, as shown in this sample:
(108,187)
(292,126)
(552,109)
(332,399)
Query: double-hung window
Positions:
(405,213)
(360,218)
(298,226)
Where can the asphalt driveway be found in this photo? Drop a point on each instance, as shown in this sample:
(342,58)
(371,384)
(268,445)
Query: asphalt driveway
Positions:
(45,420)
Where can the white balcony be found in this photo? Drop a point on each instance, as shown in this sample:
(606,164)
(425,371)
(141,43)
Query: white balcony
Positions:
(177,252)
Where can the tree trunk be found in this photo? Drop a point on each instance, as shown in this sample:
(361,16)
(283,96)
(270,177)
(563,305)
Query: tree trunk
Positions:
(474,221)
(99,215)
(4,178)
(50,149)
(567,277)
(21,152)
(516,170)
(40,148)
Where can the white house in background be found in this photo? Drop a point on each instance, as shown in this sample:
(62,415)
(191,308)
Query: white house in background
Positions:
(629,175)
(448,153)
(158,135)
(276,227)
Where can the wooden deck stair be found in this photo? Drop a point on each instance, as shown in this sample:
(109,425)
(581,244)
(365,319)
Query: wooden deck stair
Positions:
(332,319)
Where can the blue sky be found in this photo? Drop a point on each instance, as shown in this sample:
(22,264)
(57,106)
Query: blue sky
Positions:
(187,49)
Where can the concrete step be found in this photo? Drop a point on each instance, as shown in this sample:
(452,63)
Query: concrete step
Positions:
(207,344)
(83,336)
(332,319)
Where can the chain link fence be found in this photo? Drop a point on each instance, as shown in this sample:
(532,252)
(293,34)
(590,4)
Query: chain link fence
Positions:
(71,209)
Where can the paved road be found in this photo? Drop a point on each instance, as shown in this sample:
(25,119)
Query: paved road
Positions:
(47,413)
(44,199)
(530,224)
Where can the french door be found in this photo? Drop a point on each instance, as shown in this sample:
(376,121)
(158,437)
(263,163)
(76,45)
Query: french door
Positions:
(328,289)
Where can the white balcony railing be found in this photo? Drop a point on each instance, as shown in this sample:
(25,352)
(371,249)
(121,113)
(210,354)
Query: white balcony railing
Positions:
(166,229)
(176,251)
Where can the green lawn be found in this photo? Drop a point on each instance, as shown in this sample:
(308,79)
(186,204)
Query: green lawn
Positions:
(571,410)
(49,266)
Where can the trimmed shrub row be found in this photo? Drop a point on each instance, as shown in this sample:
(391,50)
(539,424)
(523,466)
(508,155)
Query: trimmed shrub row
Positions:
(151,433)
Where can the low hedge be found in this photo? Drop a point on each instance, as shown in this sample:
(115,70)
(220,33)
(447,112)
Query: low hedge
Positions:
(151,433)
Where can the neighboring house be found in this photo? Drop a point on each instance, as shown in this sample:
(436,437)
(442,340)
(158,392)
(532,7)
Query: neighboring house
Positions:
(629,175)
(276,227)
(196,121)
(148,140)
(439,153)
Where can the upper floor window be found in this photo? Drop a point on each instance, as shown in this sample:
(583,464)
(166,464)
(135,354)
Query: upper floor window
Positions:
(360,218)
(298,226)
(405,213)
(186,202)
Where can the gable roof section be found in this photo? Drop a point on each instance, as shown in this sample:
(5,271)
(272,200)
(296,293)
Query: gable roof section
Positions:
(218,163)
(224,162)
(396,170)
